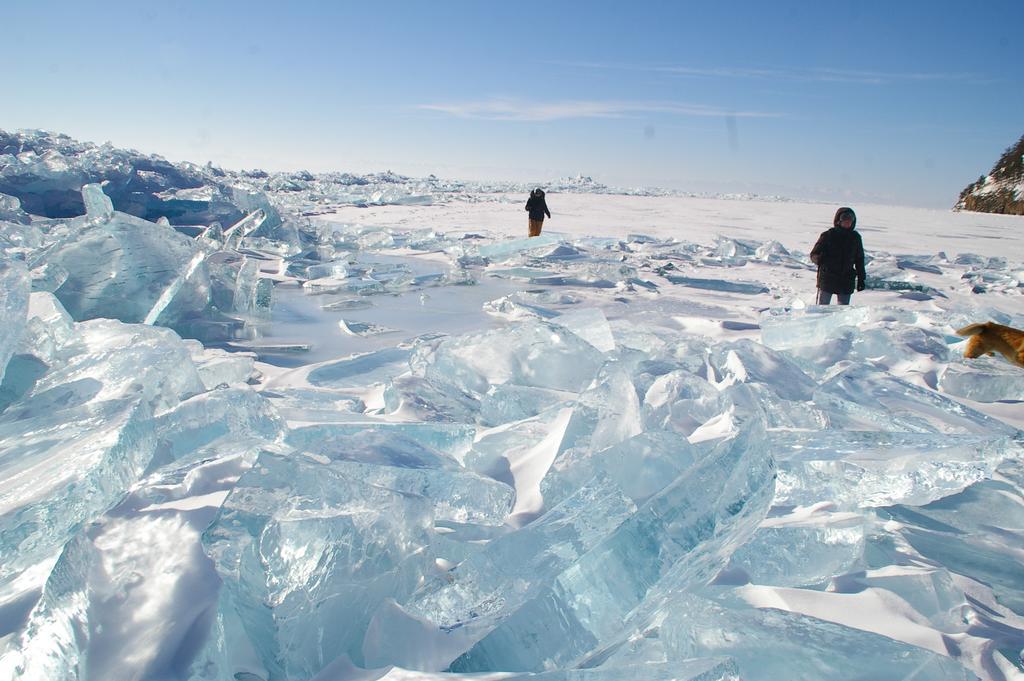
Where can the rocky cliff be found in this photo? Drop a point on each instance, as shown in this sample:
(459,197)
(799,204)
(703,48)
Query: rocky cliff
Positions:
(1002,190)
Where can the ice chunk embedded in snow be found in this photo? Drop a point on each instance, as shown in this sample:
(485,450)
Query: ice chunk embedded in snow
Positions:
(591,325)
(83,431)
(681,401)
(14,297)
(990,380)
(746,361)
(641,466)
(405,460)
(805,547)
(253,294)
(783,330)
(362,369)
(676,540)
(534,354)
(306,554)
(775,644)
(226,414)
(120,268)
(860,398)
(504,250)
(98,206)
(505,403)
(61,466)
(510,570)
(413,445)
(864,469)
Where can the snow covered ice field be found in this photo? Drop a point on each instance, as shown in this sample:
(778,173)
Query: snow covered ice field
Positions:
(417,445)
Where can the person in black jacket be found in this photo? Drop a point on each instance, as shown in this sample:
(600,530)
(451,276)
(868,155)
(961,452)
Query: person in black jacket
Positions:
(839,255)
(538,209)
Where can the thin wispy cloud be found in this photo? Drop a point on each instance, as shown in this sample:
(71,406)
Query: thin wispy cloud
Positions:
(823,75)
(506,109)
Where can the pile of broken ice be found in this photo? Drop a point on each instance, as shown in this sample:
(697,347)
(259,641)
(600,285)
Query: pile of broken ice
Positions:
(566,497)
(46,172)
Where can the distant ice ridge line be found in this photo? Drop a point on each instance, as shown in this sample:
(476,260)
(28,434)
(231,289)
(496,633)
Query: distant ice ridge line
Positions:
(47,170)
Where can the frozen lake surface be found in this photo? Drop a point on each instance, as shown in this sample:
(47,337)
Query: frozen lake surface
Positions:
(630,449)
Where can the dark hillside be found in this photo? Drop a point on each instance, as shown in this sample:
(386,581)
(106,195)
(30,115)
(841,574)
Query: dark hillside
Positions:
(1002,190)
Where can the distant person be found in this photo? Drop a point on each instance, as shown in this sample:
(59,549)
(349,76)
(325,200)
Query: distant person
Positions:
(538,208)
(839,255)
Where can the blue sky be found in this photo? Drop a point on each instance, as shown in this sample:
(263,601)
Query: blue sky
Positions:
(896,102)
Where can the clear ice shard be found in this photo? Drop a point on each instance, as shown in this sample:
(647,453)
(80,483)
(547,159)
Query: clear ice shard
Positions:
(605,414)
(508,403)
(315,404)
(504,250)
(749,288)
(253,294)
(575,589)
(726,247)
(14,302)
(234,234)
(534,354)
(769,644)
(680,401)
(818,338)
(745,361)
(47,329)
(512,570)
(363,329)
(55,477)
(413,445)
(359,370)
(508,307)
(11,211)
(337,269)
(168,295)
(989,380)
(18,241)
(887,346)
(416,398)
(641,466)
(306,553)
(120,266)
(783,330)
(109,591)
(591,325)
(803,548)
(704,669)
(221,368)
(457,497)
(54,644)
(495,450)
(218,415)
(955,531)
(98,206)
(151,364)
(860,398)
(83,431)
(404,458)
(862,469)
(745,401)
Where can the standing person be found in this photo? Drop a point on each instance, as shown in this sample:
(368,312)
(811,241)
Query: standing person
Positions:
(538,209)
(839,255)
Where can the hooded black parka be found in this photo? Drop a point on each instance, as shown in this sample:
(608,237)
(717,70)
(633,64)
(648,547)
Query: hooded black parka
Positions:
(537,206)
(839,255)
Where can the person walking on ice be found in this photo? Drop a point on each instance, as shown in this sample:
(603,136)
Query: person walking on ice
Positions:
(538,208)
(839,255)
